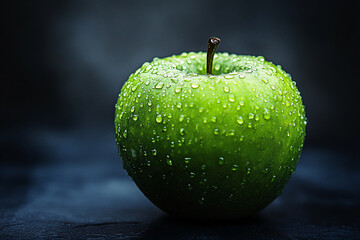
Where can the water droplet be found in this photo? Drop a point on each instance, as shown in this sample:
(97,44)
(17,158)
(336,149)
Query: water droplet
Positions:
(230,133)
(192,174)
(228,76)
(194,85)
(264,80)
(242,76)
(158,118)
(168,161)
(240,120)
(187,160)
(201,109)
(182,131)
(266,114)
(178,89)
(226,89)
(273,178)
(231,98)
(135,117)
(251,116)
(216,131)
(134,87)
(147,83)
(154,152)
(213,119)
(159,85)
(241,138)
(181,118)
(125,133)
(132,109)
(221,161)
(235,167)
(178,105)
(148,68)
(203,167)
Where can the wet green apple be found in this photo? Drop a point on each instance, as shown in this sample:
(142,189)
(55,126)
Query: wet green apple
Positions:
(211,136)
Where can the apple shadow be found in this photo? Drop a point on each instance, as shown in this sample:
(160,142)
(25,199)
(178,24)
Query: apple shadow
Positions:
(167,227)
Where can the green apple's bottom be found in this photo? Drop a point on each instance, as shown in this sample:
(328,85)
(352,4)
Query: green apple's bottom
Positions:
(224,198)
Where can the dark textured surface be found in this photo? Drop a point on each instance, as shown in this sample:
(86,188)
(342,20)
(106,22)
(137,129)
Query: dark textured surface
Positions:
(83,193)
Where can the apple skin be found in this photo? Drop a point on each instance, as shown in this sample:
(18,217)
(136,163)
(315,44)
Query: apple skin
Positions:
(219,146)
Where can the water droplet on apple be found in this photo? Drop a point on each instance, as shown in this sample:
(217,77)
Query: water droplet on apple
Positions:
(216,131)
(159,85)
(158,118)
(251,116)
(242,75)
(194,85)
(135,87)
(264,80)
(132,109)
(178,89)
(168,161)
(240,120)
(266,114)
(231,98)
(273,178)
(182,131)
(228,76)
(181,118)
(230,133)
(135,117)
(235,167)
(221,161)
(213,119)
(154,152)
(226,89)
(125,133)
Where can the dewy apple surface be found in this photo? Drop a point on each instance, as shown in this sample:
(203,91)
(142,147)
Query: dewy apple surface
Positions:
(214,146)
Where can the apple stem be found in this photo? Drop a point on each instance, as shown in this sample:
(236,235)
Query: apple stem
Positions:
(212,45)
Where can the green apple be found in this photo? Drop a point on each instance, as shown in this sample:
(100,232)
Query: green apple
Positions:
(212,136)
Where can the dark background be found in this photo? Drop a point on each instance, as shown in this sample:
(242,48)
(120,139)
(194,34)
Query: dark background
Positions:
(63,64)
